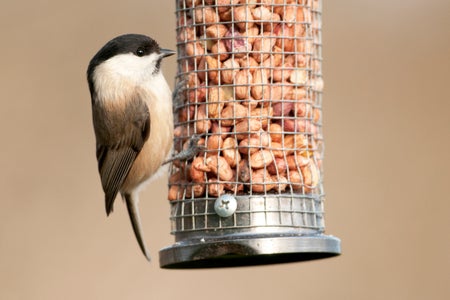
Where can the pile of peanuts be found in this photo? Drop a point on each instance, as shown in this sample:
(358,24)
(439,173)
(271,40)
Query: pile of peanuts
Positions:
(251,88)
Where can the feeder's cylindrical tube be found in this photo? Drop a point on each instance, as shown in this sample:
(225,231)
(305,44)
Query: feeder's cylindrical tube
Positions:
(250,84)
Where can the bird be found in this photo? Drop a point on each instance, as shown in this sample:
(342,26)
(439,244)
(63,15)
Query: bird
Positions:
(132,119)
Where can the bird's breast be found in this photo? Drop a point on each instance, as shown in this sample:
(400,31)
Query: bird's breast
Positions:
(159,143)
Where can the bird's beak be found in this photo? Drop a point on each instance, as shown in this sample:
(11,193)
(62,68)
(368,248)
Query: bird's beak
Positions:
(166,53)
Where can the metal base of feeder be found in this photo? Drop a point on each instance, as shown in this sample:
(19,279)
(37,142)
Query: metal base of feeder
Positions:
(248,250)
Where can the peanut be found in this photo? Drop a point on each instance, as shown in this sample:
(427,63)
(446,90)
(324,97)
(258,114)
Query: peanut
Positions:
(278,166)
(285,40)
(190,3)
(299,77)
(242,81)
(243,17)
(263,137)
(215,188)
(230,67)
(246,127)
(220,167)
(197,169)
(213,144)
(296,180)
(294,142)
(188,34)
(263,114)
(174,193)
(261,13)
(282,108)
(216,101)
(219,50)
(222,131)
(260,88)
(236,43)
(274,19)
(216,31)
(203,123)
(276,132)
(260,159)
(251,34)
(226,15)
(196,190)
(244,171)
(180,131)
(234,187)
(316,115)
(209,65)
(195,49)
(249,145)
(277,149)
(283,73)
(230,152)
(206,15)
(296,161)
(224,5)
(261,181)
(233,112)
(197,94)
(303,109)
(281,181)
(262,46)
(249,63)
(176,177)
(310,175)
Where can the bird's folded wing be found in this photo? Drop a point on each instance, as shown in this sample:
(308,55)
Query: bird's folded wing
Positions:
(121,129)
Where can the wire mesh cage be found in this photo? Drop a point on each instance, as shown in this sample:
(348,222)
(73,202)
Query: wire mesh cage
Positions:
(250,86)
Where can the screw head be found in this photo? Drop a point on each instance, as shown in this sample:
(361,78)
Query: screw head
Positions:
(225,205)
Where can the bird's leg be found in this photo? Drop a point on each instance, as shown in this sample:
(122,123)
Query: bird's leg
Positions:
(189,153)
(177,96)
(194,148)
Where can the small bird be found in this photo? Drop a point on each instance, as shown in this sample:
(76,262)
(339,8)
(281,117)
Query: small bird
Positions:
(132,118)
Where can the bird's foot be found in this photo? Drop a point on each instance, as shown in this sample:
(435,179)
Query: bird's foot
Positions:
(193,149)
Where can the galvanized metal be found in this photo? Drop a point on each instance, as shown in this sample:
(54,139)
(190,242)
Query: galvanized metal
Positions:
(272,173)
(248,250)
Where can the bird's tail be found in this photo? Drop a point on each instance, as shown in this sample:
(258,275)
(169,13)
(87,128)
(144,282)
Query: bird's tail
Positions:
(133,212)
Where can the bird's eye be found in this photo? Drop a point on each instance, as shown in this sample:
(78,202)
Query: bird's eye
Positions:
(140,52)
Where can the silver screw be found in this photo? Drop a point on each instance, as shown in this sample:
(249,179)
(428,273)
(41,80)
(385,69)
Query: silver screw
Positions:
(225,205)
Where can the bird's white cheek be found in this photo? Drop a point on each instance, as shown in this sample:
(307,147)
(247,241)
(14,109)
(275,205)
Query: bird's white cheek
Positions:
(127,67)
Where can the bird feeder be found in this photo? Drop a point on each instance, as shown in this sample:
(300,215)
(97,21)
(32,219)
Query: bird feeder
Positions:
(250,87)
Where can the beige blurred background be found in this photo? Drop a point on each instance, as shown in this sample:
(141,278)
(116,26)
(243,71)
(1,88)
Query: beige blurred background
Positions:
(387,130)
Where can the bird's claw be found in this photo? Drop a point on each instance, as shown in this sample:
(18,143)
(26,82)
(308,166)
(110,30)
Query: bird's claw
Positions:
(189,153)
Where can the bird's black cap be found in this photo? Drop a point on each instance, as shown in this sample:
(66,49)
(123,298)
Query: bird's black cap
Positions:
(137,44)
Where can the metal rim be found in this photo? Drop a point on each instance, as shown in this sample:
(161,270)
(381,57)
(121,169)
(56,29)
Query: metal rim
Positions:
(248,251)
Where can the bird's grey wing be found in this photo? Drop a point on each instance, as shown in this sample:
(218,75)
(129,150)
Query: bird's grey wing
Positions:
(121,131)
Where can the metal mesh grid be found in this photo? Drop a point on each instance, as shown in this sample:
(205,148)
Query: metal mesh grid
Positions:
(250,84)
